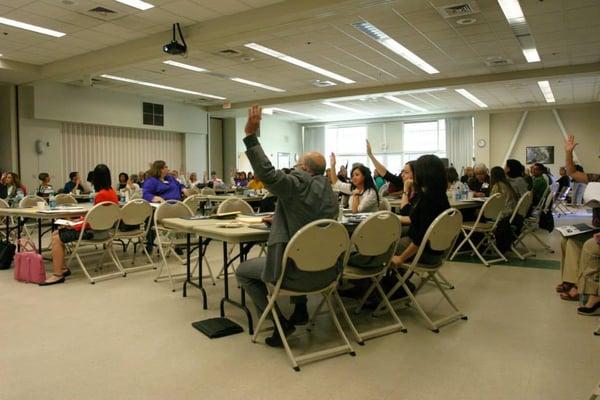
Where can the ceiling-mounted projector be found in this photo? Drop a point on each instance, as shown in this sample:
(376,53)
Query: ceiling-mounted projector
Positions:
(174,47)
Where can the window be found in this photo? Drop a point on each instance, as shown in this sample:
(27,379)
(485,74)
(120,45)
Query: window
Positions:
(348,144)
(424,138)
(153,114)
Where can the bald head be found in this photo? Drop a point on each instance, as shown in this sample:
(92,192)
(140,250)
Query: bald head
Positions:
(313,163)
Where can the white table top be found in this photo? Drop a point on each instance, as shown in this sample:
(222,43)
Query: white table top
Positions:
(213,229)
(59,212)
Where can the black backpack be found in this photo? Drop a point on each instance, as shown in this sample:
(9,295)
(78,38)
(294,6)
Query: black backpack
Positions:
(7,254)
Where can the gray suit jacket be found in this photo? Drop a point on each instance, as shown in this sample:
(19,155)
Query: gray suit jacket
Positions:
(301,199)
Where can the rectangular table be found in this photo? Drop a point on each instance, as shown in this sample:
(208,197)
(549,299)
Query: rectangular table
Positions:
(211,229)
(458,204)
(35,213)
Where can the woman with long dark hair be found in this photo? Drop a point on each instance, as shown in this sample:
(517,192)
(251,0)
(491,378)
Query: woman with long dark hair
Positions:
(104,192)
(515,172)
(430,201)
(500,184)
(361,189)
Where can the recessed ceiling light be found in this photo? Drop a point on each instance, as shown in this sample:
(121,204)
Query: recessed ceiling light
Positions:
(531,55)
(140,5)
(374,33)
(546,91)
(185,66)
(257,84)
(471,97)
(29,27)
(346,108)
(157,86)
(299,63)
(466,21)
(516,19)
(271,110)
(404,103)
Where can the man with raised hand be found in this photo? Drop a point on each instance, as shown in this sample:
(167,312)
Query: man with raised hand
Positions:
(304,195)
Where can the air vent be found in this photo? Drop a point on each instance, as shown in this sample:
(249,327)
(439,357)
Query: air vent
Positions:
(458,9)
(103,13)
(322,83)
(497,61)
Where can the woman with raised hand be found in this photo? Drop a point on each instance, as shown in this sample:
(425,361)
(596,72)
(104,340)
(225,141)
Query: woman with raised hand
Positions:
(362,191)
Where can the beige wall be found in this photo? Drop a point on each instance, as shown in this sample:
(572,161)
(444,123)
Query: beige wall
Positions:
(215,147)
(541,129)
(8,133)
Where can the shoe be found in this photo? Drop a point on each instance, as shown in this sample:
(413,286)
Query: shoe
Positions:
(299,316)
(66,272)
(61,280)
(564,287)
(275,340)
(593,310)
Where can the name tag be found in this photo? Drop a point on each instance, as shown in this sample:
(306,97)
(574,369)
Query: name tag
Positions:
(485,185)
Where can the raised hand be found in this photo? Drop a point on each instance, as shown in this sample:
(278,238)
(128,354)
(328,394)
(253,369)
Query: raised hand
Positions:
(332,161)
(570,143)
(369,149)
(254,117)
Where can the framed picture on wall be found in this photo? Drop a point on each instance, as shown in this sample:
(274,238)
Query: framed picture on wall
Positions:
(283,160)
(539,154)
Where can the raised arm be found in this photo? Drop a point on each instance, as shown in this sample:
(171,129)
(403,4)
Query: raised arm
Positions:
(381,169)
(577,176)
(332,175)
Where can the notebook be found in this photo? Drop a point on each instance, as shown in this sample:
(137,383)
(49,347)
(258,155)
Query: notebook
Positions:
(577,229)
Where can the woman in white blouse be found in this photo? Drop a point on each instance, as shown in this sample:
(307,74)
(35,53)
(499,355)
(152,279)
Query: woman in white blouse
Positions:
(362,190)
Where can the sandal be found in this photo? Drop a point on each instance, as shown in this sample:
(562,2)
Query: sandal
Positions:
(564,287)
(61,280)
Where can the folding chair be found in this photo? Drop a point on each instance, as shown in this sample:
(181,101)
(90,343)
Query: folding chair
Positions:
(531,225)
(103,220)
(167,238)
(12,226)
(384,205)
(440,236)
(193,202)
(231,205)
(491,210)
(520,211)
(208,206)
(135,213)
(317,247)
(65,198)
(560,206)
(376,238)
(30,227)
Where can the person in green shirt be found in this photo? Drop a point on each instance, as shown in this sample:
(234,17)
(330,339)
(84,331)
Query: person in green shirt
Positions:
(379,181)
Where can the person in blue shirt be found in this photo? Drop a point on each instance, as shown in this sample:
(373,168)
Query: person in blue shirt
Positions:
(74,183)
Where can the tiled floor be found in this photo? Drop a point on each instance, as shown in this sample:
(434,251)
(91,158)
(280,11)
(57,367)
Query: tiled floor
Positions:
(130,338)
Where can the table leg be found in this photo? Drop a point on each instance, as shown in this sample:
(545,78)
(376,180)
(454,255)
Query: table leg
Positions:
(7,227)
(39,236)
(188,278)
(19,221)
(226,263)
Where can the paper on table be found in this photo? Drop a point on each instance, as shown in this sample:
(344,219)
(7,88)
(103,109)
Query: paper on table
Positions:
(67,222)
(249,219)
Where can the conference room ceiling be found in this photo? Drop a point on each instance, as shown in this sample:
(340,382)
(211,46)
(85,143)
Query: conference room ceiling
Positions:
(485,56)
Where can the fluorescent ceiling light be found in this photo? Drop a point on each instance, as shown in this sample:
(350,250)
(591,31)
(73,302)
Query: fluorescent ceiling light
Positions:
(472,98)
(404,103)
(185,66)
(140,5)
(157,86)
(512,11)
(257,84)
(342,107)
(271,110)
(299,63)
(546,91)
(374,33)
(531,55)
(29,27)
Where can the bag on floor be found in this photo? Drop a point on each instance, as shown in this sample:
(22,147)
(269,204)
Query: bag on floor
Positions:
(29,265)
(7,254)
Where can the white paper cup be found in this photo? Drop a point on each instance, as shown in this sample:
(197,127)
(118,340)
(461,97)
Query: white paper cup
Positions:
(77,192)
(41,205)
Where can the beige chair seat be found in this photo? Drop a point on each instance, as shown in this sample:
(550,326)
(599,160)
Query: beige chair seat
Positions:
(481,227)
(352,272)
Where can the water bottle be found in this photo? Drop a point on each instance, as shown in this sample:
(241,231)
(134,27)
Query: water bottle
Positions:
(340,216)
(465,191)
(52,201)
(92,196)
(458,194)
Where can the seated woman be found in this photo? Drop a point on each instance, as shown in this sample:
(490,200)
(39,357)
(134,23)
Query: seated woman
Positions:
(500,184)
(454,184)
(515,172)
(104,192)
(430,201)
(588,278)
(362,191)
(14,187)
(256,184)
(481,183)
(123,178)
(405,181)
(45,189)
(132,188)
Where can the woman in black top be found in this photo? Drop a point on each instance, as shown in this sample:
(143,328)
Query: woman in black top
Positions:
(430,201)
(123,178)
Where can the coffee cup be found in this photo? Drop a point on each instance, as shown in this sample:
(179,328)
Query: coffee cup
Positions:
(77,192)
(41,205)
